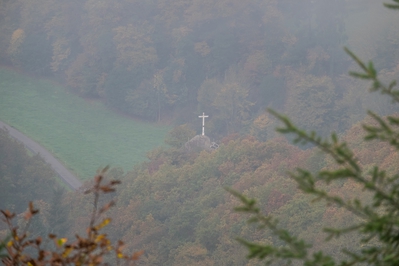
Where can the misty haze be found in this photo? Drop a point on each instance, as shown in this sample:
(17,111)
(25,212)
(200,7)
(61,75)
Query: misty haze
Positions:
(173,96)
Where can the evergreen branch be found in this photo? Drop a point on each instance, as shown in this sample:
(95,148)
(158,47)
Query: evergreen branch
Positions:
(383,132)
(342,155)
(295,248)
(371,74)
(380,221)
(335,233)
(392,6)
(307,183)
(338,151)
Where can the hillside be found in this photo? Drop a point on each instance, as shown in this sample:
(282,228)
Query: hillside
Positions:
(24,177)
(171,60)
(84,135)
(175,208)
(65,176)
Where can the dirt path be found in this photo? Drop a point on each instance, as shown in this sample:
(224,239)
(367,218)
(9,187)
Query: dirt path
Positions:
(33,146)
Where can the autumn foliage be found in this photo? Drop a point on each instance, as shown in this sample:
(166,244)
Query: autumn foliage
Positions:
(359,184)
(91,249)
(168,59)
(175,208)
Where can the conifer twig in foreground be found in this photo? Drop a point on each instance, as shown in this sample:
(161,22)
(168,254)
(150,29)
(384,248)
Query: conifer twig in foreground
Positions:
(379,221)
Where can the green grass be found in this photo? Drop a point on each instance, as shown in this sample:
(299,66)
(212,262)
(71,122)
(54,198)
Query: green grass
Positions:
(84,135)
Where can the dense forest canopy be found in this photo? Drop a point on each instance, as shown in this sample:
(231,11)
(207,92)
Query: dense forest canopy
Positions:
(175,208)
(164,60)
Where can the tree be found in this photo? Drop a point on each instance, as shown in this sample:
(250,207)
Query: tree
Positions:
(179,135)
(17,39)
(377,223)
(227,102)
(23,177)
(312,102)
(232,100)
(134,46)
(86,250)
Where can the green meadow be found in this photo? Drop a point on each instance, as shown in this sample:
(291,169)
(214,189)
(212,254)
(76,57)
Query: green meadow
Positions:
(84,135)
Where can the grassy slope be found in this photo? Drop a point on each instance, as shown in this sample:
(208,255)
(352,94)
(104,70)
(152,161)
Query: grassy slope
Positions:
(83,135)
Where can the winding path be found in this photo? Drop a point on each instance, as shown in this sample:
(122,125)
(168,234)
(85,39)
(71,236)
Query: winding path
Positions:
(68,178)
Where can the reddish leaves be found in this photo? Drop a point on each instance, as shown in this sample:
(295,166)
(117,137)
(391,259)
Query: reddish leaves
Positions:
(89,250)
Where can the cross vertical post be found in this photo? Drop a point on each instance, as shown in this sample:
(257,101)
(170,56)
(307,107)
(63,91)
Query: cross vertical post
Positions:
(203,116)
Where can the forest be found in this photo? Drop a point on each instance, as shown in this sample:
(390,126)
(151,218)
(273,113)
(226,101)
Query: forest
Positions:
(170,60)
(167,61)
(174,206)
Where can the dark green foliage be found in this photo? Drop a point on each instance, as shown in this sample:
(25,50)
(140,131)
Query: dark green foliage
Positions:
(392,6)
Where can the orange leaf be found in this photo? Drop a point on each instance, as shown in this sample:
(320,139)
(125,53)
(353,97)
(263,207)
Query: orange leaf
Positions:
(28,215)
(136,255)
(98,178)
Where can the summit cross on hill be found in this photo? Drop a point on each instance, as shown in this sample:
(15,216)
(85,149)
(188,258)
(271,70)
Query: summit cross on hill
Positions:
(203,116)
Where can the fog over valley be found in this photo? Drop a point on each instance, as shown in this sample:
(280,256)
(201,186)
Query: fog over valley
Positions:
(180,100)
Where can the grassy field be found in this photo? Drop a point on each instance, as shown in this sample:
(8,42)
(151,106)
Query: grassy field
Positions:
(83,135)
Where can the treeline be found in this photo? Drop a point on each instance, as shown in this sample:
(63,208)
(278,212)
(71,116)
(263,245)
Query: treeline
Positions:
(172,59)
(26,177)
(175,208)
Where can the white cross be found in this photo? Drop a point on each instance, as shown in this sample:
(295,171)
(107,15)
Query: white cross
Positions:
(203,122)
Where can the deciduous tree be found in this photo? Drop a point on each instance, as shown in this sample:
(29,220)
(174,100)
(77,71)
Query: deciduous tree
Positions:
(377,221)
